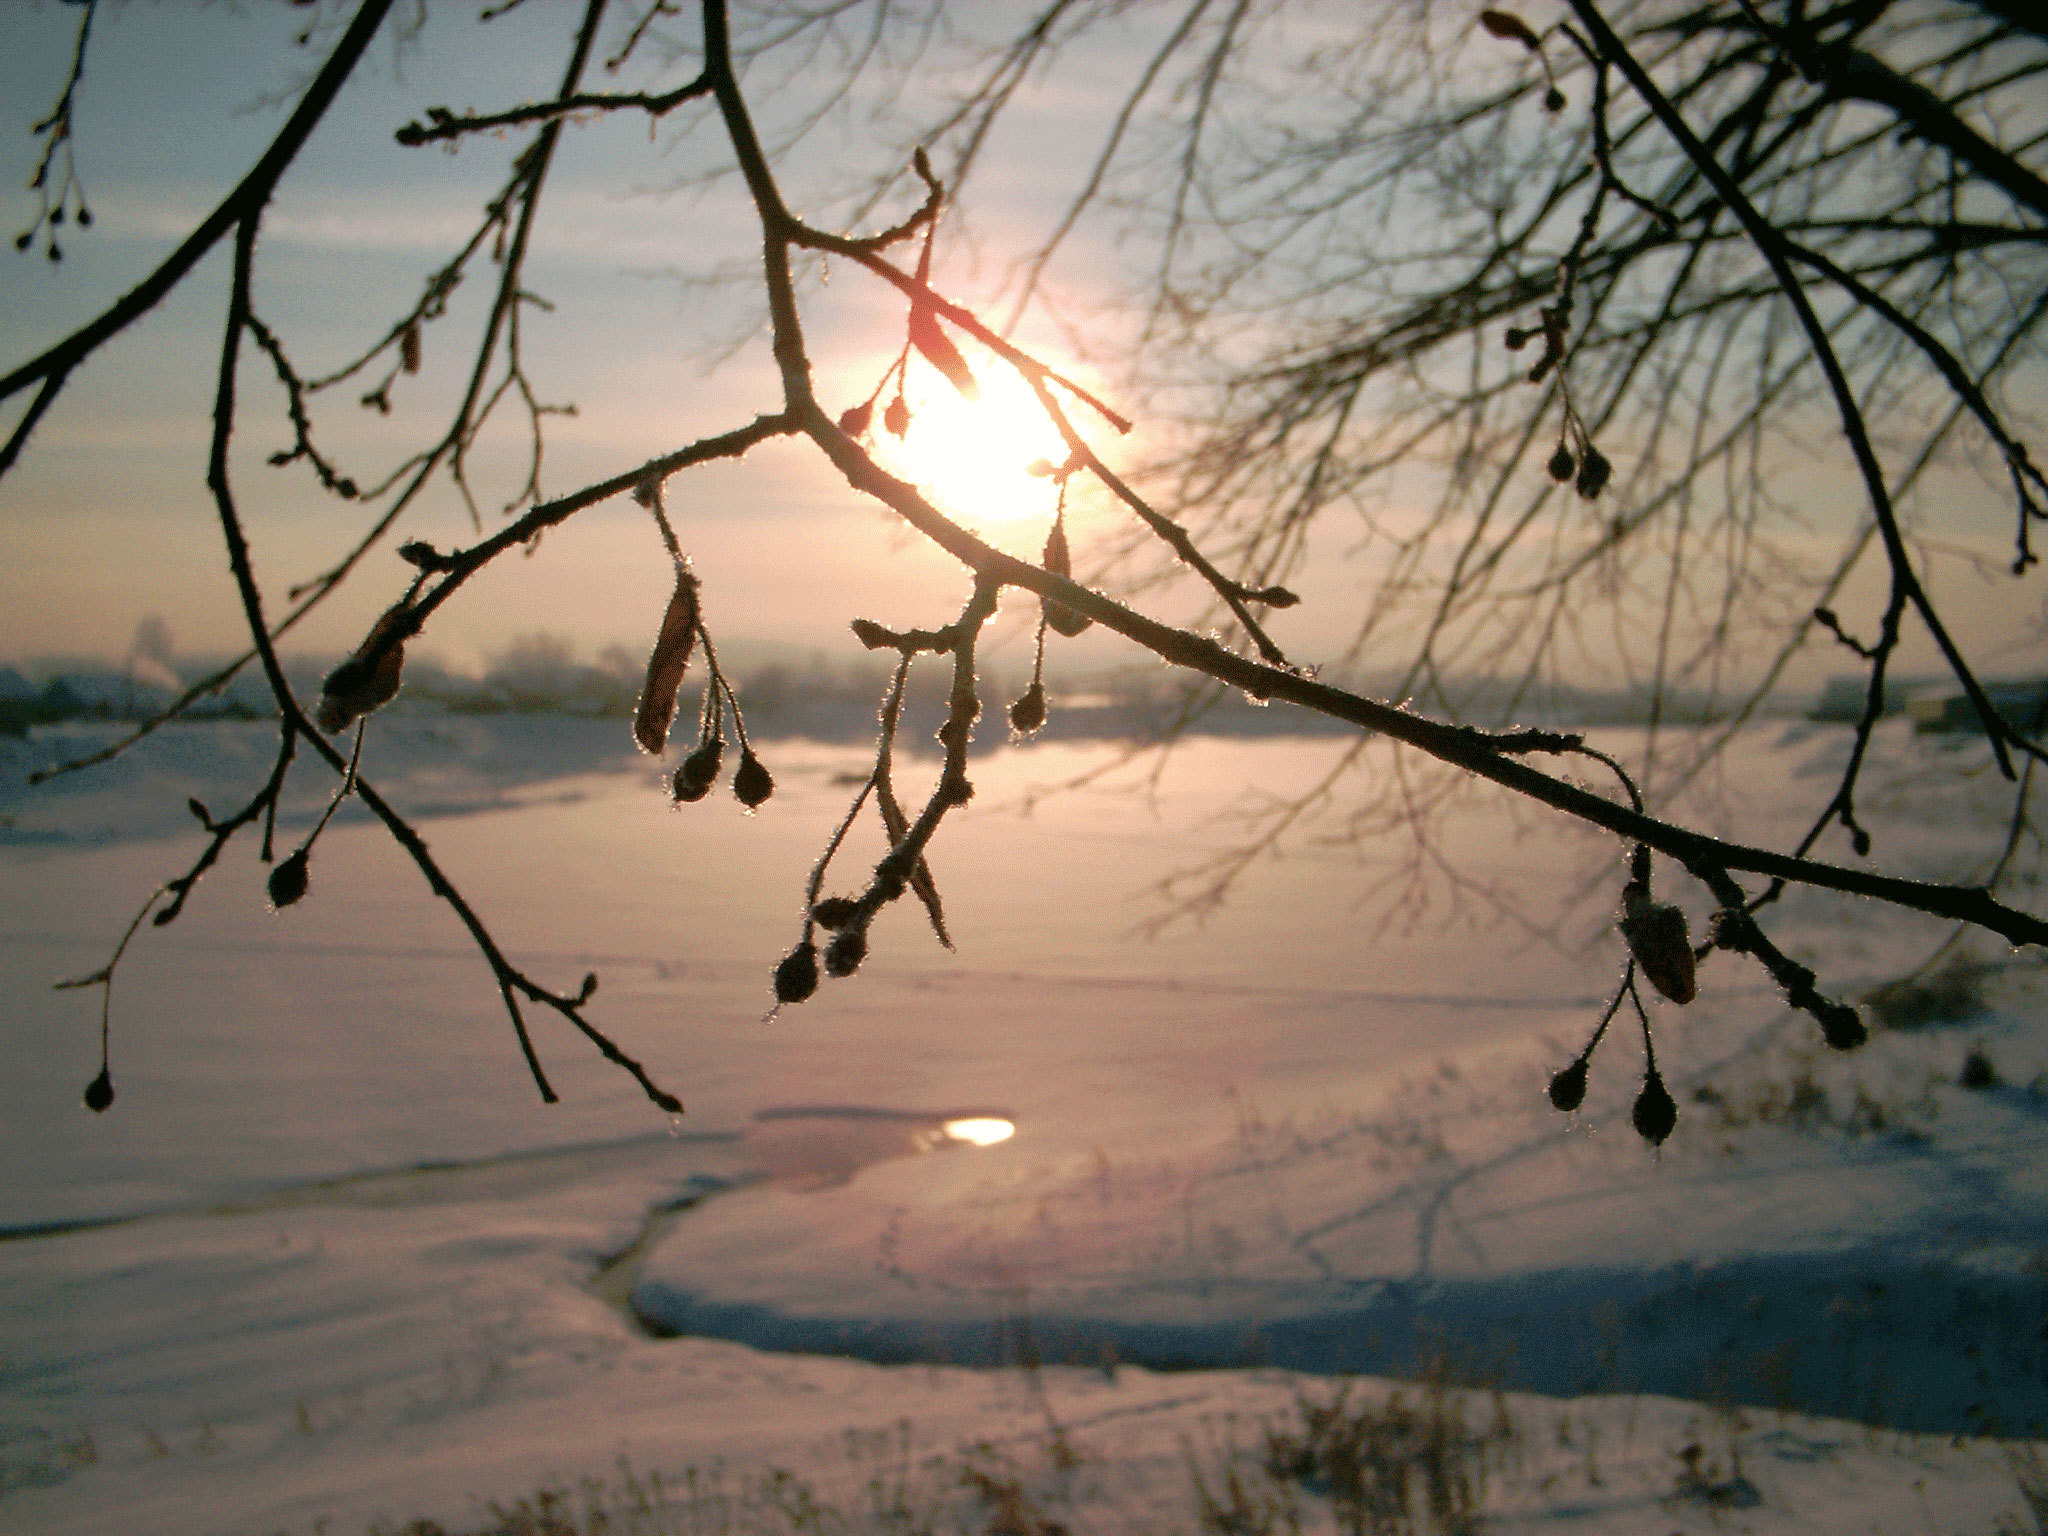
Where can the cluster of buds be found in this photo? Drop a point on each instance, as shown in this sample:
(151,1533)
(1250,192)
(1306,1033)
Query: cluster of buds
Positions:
(1661,949)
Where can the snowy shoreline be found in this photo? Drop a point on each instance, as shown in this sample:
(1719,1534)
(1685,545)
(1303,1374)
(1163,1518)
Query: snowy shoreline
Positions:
(357,1271)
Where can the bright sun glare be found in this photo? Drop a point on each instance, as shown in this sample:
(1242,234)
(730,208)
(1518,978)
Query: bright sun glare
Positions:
(972,457)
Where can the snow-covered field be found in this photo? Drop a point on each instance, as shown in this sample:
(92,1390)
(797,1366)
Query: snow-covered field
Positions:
(328,1259)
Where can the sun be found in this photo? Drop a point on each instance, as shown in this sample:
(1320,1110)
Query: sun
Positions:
(973,458)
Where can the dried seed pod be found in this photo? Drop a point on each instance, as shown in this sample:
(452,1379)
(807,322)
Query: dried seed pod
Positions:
(1553,100)
(835,912)
(1059,559)
(699,771)
(666,664)
(1594,473)
(845,953)
(1655,1112)
(751,782)
(1561,466)
(797,977)
(1568,1086)
(409,349)
(1028,713)
(1656,936)
(358,686)
(288,880)
(1841,1026)
(99,1093)
(930,338)
(896,415)
(853,421)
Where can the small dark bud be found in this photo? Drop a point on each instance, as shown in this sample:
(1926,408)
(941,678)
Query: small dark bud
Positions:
(99,1093)
(896,417)
(55,252)
(853,421)
(699,771)
(281,458)
(1655,1113)
(752,784)
(346,489)
(797,977)
(1977,1074)
(56,217)
(1827,617)
(1028,713)
(1561,466)
(198,808)
(23,240)
(835,912)
(409,349)
(288,881)
(1594,473)
(1841,1026)
(872,635)
(419,553)
(845,953)
(1518,338)
(1553,100)
(84,217)
(588,990)
(1568,1086)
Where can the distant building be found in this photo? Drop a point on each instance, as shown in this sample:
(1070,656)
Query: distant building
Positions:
(2022,703)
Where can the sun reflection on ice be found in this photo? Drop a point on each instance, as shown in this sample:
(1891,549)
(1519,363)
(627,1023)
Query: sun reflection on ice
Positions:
(981,1130)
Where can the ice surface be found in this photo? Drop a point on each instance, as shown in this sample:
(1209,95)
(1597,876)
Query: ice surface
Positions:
(346,1264)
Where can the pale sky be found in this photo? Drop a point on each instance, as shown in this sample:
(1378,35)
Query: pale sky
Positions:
(107,519)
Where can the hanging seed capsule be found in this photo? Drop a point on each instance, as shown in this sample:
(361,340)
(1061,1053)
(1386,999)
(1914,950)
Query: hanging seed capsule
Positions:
(797,977)
(1553,100)
(699,771)
(1568,1087)
(1028,713)
(835,912)
(853,421)
(845,953)
(99,1093)
(1594,473)
(752,783)
(896,416)
(1655,1113)
(23,240)
(84,217)
(288,881)
(1561,466)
